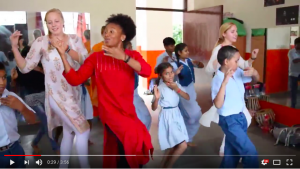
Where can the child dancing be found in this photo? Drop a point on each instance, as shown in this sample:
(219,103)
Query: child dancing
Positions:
(172,133)
(228,96)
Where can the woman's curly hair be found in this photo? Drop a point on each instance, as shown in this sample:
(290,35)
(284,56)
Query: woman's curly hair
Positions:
(126,23)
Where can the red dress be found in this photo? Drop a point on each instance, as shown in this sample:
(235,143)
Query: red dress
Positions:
(115,87)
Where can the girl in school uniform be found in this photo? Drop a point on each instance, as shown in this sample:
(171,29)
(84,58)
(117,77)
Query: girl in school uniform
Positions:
(172,133)
(227,92)
(184,68)
(139,104)
(228,35)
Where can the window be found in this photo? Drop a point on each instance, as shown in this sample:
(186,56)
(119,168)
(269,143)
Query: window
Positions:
(12,18)
(71,19)
(167,4)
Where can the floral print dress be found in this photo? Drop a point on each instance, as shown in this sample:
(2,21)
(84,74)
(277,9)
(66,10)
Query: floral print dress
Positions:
(67,97)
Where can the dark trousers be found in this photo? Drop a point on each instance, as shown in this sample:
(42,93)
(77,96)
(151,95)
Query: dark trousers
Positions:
(122,162)
(237,142)
(294,89)
(15,149)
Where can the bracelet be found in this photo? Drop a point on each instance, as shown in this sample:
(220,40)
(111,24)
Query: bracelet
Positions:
(68,49)
(127,60)
(253,58)
(178,91)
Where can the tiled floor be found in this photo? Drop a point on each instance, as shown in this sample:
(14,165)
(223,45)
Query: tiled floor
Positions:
(208,141)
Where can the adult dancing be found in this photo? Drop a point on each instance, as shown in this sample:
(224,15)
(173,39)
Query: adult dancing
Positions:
(63,102)
(114,70)
(228,35)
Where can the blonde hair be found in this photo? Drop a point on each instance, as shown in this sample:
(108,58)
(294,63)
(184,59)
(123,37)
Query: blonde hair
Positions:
(62,17)
(223,29)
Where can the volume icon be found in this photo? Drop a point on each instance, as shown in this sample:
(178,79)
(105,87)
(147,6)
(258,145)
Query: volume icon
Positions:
(39,162)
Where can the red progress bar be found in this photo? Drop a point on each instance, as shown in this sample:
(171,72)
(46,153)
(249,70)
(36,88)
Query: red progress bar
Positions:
(22,155)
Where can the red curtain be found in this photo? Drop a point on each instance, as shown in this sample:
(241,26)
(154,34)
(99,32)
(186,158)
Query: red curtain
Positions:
(81,26)
(39,22)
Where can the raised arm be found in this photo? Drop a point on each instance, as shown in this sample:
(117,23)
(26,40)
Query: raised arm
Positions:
(85,71)
(212,64)
(218,88)
(139,64)
(33,57)
(294,56)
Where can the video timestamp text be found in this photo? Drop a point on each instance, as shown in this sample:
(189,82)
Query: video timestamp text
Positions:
(57,161)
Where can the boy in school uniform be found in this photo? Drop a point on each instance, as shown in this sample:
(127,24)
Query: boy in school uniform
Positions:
(10,106)
(228,96)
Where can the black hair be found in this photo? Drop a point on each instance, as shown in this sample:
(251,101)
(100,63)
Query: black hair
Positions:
(126,44)
(160,69)
(226,52)
(179,48)
(126,23)
(2,67)
(297,41)
(25,51)
(168,41)
(87,34)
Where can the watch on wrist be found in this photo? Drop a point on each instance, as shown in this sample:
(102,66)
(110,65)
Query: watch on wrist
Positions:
(68,49)
(127,59)
(252,58)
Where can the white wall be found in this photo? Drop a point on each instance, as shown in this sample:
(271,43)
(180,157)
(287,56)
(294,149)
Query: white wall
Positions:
(296,29)
(159,26)
(252,12)
(278,38)
(154,26)
(99,10)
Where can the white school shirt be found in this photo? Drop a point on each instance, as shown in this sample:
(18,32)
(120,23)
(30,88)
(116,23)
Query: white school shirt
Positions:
(214,56)
(234,102)
(294,68)
(9,121)
(168,97)
(161,57)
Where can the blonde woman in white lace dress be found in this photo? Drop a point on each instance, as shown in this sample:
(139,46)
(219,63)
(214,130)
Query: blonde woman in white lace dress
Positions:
(227,36)
(63,101)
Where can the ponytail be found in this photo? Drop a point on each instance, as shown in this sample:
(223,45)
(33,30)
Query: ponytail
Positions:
(220,41)
(157,81)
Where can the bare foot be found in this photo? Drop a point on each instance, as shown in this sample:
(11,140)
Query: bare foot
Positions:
(36,149)
(190,144)
(90,143)
(221,154)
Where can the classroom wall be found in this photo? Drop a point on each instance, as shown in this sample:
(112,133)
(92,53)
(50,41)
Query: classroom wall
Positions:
(277,63)
(252,12)
(99,10)
(152,28)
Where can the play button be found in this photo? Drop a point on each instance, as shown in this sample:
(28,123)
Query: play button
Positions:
(11,162)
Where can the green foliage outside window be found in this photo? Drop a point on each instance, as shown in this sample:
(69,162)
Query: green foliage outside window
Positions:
(177,33)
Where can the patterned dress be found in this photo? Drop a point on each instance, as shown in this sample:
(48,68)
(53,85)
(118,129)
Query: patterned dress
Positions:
(67,97)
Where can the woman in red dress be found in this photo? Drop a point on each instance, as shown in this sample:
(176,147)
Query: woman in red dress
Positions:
(114,67)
